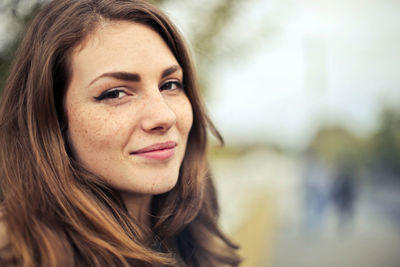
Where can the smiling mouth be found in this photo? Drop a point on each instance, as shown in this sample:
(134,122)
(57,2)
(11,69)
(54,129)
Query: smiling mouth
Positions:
(159,151)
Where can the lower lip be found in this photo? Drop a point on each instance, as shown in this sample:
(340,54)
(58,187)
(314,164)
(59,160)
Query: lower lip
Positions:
(163,154)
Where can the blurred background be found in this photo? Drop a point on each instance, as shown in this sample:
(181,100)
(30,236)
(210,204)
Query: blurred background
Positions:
(305,93)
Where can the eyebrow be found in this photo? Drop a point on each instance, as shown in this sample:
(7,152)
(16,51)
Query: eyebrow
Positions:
(134,77)
(170,70)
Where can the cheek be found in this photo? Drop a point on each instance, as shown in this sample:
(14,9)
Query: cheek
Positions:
(90,131)
(184,116)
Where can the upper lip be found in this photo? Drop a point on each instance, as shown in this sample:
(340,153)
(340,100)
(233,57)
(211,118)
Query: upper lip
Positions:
(154,147)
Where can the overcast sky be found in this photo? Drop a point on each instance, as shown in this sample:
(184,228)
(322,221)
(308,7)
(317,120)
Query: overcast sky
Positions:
(332,61)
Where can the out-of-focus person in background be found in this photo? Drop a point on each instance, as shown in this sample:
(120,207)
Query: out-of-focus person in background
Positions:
(103,139)
(317,190)
(344,194)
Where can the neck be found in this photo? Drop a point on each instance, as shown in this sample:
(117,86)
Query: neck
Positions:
(138,207)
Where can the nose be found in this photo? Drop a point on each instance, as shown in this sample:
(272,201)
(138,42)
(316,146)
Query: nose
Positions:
(158,115)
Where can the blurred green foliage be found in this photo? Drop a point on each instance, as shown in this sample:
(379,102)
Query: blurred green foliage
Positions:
(207,39)
(336,145)
(378,153)
(385,144)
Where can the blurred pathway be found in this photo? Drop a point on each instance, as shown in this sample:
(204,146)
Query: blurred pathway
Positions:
(249,188)
(260,194)
(372,240)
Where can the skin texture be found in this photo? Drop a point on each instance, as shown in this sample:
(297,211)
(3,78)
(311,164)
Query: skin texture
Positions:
(105,128)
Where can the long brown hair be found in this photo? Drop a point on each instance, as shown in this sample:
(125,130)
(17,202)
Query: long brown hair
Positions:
(59,214)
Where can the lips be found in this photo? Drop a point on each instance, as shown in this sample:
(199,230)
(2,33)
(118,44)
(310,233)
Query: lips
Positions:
(159,151)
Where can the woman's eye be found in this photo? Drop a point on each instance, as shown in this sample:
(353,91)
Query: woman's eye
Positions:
(171,85)
(111,94)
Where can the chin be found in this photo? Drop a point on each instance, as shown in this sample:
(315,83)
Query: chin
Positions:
(160,191)
(163,187)
(155,185)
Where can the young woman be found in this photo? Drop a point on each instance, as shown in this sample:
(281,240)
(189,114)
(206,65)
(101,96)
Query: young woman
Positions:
(103,144)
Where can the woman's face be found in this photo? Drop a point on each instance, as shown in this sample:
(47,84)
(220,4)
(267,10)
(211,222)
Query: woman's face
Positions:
(128,115)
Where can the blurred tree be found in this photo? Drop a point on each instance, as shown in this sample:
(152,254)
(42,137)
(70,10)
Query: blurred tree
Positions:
(212,45)
(385,144)
(159,2)
(207,38)
(381,152)
(337,145)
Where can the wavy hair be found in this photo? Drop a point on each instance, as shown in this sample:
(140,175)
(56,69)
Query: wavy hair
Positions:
(55,211)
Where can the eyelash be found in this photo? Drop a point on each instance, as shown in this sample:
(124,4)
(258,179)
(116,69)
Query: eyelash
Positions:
(110,94)
(178,85)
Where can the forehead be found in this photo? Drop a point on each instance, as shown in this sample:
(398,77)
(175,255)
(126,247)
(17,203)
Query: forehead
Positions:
(120,45)
(114,27)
